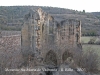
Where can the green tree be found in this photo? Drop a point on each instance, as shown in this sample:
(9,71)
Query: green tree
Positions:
(83,11)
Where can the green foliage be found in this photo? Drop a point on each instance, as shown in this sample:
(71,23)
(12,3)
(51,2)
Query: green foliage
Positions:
(3,27)
(90,33)
(83,11)
(92,41)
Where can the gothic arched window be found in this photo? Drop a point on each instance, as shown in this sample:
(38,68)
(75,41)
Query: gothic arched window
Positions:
(50,27)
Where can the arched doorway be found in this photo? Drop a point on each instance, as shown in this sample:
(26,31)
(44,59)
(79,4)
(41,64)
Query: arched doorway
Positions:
(66,55)
(50,58)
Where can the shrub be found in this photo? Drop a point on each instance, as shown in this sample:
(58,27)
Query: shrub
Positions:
(97,42)
(87,60)
(92,41)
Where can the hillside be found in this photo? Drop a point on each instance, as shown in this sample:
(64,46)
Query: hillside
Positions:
(11,17)
(97,14)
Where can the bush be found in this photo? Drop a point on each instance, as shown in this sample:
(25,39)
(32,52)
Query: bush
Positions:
(92,41)
(97,42)
(87,60)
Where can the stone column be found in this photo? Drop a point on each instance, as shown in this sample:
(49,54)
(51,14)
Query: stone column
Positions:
(80,31)
(0,35)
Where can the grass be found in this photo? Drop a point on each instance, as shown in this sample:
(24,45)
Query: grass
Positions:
(92,47)
(86,39)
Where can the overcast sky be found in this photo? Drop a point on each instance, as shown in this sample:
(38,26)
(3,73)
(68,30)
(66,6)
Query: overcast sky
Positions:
(87,5)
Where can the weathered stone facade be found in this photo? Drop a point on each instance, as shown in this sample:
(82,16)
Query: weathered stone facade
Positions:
(0,33)
(45,40)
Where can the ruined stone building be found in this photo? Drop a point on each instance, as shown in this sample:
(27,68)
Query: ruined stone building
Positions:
(0,33)
(46,40)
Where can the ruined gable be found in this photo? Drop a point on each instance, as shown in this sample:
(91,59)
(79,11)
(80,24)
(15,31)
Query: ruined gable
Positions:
(41,34)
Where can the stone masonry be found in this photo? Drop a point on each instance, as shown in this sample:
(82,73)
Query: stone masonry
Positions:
(44,39)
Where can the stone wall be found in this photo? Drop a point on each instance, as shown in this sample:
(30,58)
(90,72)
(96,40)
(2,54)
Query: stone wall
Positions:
(44,38)
(0,34)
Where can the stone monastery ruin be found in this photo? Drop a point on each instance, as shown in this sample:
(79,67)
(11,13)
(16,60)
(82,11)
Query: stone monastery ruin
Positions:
(46,40)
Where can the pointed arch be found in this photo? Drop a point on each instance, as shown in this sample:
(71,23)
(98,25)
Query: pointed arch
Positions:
(50,58)
(66,54)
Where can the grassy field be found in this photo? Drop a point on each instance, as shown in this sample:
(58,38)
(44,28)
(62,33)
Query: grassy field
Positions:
(92,47)
(86,39)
